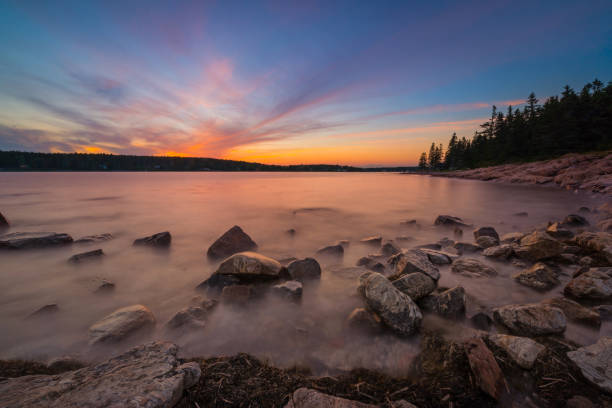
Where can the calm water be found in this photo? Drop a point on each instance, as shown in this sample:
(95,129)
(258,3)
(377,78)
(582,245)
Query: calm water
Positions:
(198,207)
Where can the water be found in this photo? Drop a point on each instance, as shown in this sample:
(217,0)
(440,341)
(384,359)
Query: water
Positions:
(197,208)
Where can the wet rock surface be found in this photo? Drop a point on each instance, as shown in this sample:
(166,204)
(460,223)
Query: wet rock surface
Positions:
(30,240)
(449,221)
(250,267)
(121,324)
(449,303)
(331,251)
(538,246)
(472,268)
(146,376)
(231,242)
(523,350)
(595,363)
(364,320)
(487,373)
(531,319)
(503,251)
(86,256)
(91,239)
(413,260)
(290,290)
(539,276)
(4,224)
(594,284)
(416,285)
(159,240)
(304,269)
(574,311)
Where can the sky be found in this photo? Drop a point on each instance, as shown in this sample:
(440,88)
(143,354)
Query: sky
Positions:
(367,83)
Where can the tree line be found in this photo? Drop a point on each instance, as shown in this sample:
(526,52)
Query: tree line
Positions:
(569,123)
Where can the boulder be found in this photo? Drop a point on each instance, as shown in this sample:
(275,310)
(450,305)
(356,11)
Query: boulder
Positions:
(538,246)
(413,260)
(574,311)
(192,317)
(290,290)
(374,241)
(486,242)
(394,308)
(364,320)
(595,363)
(121,324)
(332,251)
(91,239)
(231,242)
(487,373)
(4,224)
(86,256)
(304,269)
(558,232)
(390,249)
(239,295)
(531,319)
(522,350)
(149,376)
(503,251)
(600,242)
(472,268)
(595,284)
(463,247)
(249,267)
(416,285)
(574,220)
(449,221)
(159,240)
(308,398)
(439,257)
(29,240)
(539,276)
(486,232)
(511,237)
(450,303)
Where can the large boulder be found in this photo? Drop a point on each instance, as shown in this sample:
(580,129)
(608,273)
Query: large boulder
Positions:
(539,276)
(413,260)
(472,268)
(595,363)
(304,269)
(600,242)
(531,319)
(249,267)
(159,240)
(450,303)
(595,284)
(486,232)
(308,398)
(28,240)
(121,324)
(231,242)
(538,246)
(4,224)
(449,221)
(416,285)
(574,311)
(522,350)
(149,376)
(395,308)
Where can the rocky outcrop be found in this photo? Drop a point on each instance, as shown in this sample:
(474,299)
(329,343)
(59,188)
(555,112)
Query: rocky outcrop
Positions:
(472,268)
(149,376)
(595,284)
(249,267)
(86,256)
(372,263)
(416,285)
(539,276)
(449,221)
(231,242)
(30,240)
(522,350)
(574,311)
(121,324)
(307,398)
(304,269)
(450,303)
(531,319)
(395,308)
(159,240)
(511,237)
(538,246)
(413,260)
(595,363)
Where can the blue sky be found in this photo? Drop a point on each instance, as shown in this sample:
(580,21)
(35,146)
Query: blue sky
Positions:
(362,83)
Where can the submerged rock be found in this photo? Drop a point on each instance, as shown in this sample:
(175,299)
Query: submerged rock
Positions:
(105,287)
(413,260)
(149,376)
(449,221)
(364,320)
(250,267)
(416,285)
(575,220)
(304,269)
(307,398)
(29,240)
(159,240)
(231,242)
(395,308)
(487,373)
(290,290)
(86,256)
(44,311)
(538,246)
(486,232)
(390,249)
(463,247)
(336,251)
(239,295)
(531,319)
(374,241)
(487,242)
(595,284)
(372,263)
(192,317)
(539,276)
(595,363)
(4,224)
(574,311)
(450,303)
(121,324)
(472,268)
(90,239)
(522,350)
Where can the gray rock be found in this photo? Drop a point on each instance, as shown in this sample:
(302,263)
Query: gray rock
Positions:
(574,311)
(86,256)
(595,363)
(149,376)
(336,251)
(290,290)
(90,239)
(416,285)
(29,240)
(249,267)
(307,398)
(487,242)
(595,284)
(472,268)
(522,350)
(121,324)
(539,277)
(449,221)
(233,241)
(538,246)
(304,269)
(450,303)
(413,260)
(364,320)
(395,308)
(531,319)
(159,240)
(503,251)
(486,232)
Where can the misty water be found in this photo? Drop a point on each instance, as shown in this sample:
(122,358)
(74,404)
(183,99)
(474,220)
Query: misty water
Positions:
(197,208)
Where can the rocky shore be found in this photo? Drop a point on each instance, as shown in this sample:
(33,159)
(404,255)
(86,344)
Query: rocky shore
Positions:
(512,355)
(586,172)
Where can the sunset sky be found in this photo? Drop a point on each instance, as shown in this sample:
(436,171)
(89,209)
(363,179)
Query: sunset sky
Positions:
(357,82)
